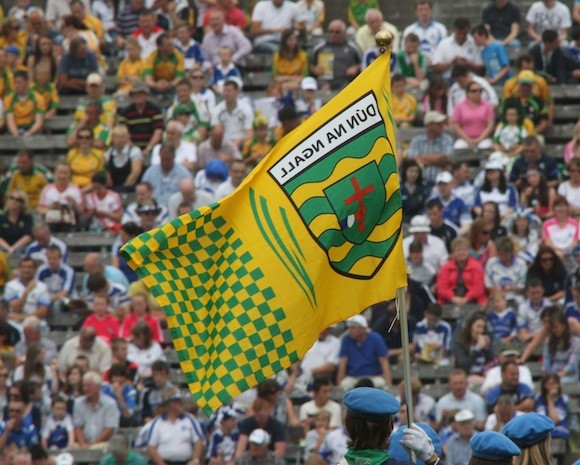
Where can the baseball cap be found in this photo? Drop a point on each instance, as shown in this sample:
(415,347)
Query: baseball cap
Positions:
(94,79)
(139,86)
(464,415)
(13,49)
(510,351)
(419,223)
(494,165)
(309,83)
(259,437)
(526,77)
(235,80)
(357,321)
(434,117)
(444,177)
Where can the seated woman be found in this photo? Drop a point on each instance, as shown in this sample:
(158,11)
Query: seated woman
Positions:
(85,160)
(124,161)
(490,213)
(143,350)
(524,235)
(473,120)
(15,222)
(572,148)
(496,189)
(561,349)
(550,270)
(140,312)
(472,349)
(554,404)
(570,189)
(561,232)
(537,195)
(481,246)
(460,280)
(414,190)
(290,61)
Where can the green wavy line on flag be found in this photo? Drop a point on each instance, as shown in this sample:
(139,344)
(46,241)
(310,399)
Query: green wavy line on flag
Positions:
(315,207)
(290,232)
(303,280)
(390,112)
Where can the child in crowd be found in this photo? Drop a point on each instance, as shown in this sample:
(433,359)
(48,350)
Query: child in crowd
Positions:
(421,270)
(510,132)
(131,68)
(315,437)
(530,311)
(308,103)
(494,56)
(503,319)
(572,309)
(224,440)
(256,148)
(432,336)
(190,49)
(12,58)
(411,62)
(102,319)
(119,389)
(225,69)
(46,89)
(404,104)
(59,430)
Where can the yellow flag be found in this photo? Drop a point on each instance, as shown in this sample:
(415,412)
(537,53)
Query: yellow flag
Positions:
(312,237)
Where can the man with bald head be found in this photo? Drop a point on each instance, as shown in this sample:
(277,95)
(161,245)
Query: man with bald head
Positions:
(94,263)
(216,147)
(88,344)
(31,328)
(344,55)
(187,194)
(185,152)
(221,34)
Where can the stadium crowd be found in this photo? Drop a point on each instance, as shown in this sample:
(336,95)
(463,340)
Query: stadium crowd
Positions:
(502,244)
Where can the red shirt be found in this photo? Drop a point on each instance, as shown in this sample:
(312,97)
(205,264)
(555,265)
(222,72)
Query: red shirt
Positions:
(234,17)
(131,320)
(107,328)
(472,279)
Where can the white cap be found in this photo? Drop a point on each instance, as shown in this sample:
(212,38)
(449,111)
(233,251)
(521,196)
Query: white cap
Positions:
(357,321)
(94,78)
(420,223)
(434,117)
(64,459)
(444,176)
(236,80)
(494,165)
(464,415)
(259,437)
(309,83)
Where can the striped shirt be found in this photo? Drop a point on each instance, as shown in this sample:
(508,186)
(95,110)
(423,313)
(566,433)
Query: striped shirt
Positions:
(142,124)
(422,145)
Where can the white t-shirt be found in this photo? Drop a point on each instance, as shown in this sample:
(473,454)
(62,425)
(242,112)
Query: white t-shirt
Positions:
(457,94)
(51,194)
(273,17)
(186,152)
(556,18)
(225,188)
(448,49)
(429,36)
(492,420)
(572,194)
(309,410)
(38,297)
(174,441)
(111,203)
(236,123)
(145,358)
(562,237)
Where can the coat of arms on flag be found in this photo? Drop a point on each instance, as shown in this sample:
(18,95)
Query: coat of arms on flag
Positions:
(310,238)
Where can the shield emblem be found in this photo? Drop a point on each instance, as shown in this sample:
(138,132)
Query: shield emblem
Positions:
(347,193)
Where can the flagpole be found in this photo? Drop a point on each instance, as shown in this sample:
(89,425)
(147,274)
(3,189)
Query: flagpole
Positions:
(383,40)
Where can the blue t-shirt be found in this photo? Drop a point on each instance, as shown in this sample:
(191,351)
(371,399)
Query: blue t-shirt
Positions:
(25,436)
(503,325)
(454,210)
(519,394)
(495,58)
(562,428)
(363,358)
(572,311)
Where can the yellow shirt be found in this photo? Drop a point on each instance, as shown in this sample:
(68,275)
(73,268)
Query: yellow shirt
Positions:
(83,167)
(49,95)
(31,184)
(108,115)
(5,270)
(21,40)
(298,66)
(539,89)
(24,108)
(129,68)
(168,69)
(95,25)
(404,108)
(6,81)
(255,147)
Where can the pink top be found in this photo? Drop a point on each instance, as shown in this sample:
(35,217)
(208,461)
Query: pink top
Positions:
(562,237)
(473,120)
(570,153)
(131,320)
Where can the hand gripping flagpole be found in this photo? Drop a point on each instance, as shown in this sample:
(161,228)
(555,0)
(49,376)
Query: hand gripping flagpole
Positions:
(384,40)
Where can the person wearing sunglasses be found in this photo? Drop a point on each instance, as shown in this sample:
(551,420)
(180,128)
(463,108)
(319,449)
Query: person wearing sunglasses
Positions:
(85,160)
(15,223)
(473,120)
(550,270)
(14,430)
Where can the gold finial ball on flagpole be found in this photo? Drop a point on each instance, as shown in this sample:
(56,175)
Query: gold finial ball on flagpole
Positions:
(383,40)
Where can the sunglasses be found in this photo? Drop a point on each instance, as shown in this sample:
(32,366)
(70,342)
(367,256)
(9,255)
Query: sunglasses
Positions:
(197,77)
(18,199)
(486,232)
(547,259)
(84,137)
(476,91)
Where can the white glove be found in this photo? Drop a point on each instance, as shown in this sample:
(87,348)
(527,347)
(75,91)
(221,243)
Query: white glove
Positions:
(416,440)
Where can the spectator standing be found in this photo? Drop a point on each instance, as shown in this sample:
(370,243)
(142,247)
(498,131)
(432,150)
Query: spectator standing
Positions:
(494,56)
(429,31)
(87,344)
(335,61)
(374,22)
(221,34)
(96,415)
(143,118)
(502,18)
(458,48)
(548,14)
(75,66)
(363,354)
(165,177)
(269,19)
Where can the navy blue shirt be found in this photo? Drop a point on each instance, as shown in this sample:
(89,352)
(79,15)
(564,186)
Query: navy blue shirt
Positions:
(519,394)
(79,68)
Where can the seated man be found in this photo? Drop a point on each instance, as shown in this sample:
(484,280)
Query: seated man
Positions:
(27,176)
(493,375)
(25,295)
(24,108)
(502,19)
(58,277)
(143,194)
(548,14)
(165,66)
(522,395)
(185,152)
(75,67)
(550,60)
(335,61)
(87,344)
(321,400)
(96,415)
(363,354)
(269,19)
(532,156)
(15,431)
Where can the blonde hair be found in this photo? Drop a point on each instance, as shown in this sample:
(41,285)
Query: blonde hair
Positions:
(120,130)
(538,454)
(23,196)
(459,242)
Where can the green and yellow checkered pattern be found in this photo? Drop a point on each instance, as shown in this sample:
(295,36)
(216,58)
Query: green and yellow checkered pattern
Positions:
(224,322)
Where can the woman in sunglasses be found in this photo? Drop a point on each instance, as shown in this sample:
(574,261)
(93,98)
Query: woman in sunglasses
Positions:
(15,222)
(550,270)
(473,120)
